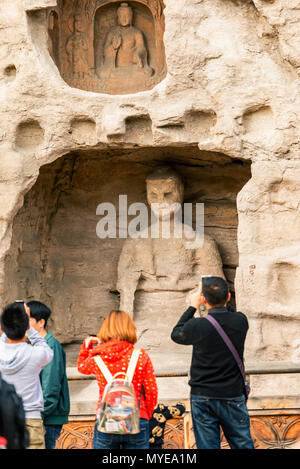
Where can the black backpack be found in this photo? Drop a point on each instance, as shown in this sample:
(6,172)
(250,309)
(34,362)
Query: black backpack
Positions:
(12,417)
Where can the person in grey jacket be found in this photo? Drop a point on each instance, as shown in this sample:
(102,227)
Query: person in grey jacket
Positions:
(21,364)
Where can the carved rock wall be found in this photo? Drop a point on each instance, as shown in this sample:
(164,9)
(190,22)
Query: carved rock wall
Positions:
(59,258)
(232,88)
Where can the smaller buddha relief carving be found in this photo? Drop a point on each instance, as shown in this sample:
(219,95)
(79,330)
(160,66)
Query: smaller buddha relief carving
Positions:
(111,46)
(124,50)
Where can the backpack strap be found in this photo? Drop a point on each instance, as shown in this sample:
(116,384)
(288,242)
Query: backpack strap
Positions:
(228,342)
(131,367)
(232,349)
(132,364)
(104,370)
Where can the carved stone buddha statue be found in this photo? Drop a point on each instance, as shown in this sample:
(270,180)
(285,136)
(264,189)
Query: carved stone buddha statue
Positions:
(124,52)
(155,274)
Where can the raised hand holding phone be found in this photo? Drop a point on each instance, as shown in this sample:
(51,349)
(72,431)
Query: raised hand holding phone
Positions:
(195,298)
(90,341)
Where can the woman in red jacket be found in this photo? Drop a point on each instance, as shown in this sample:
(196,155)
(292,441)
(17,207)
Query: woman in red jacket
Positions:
(114,344)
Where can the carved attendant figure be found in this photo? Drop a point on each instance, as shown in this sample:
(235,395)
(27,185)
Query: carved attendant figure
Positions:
(77,48)
(124,48)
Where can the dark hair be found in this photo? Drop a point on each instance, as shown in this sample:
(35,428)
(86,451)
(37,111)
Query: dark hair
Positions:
(39,311)
(14,320)
(215,290)
(230,308)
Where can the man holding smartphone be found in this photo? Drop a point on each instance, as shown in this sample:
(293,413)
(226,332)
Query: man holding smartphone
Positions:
(217,386)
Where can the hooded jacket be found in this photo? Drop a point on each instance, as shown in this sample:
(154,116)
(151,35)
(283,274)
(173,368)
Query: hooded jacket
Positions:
(116,355)
(21,364)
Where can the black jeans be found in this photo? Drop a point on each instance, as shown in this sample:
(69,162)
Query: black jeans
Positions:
(209,414)
(111,441)
(52,433)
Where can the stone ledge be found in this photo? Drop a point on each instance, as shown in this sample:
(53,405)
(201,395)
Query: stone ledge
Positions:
(84,394)
(172,390)
(271,431)
(263,368)
(39,4)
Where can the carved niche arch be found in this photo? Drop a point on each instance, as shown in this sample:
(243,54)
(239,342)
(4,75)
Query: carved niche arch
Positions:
(53,35)
(108,46)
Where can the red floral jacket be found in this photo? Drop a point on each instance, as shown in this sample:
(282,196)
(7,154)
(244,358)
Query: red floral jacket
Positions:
(116,356)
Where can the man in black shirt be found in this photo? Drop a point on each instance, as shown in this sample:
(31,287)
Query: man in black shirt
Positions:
(217,387)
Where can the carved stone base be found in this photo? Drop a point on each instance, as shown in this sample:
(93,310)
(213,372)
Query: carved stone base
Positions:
(268,432)
(79,435)
(76,435)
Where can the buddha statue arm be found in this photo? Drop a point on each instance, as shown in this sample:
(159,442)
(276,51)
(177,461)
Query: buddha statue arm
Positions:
(141,53)
(207,262)
(140,50)
(128,277)
(112,43)
(208,259)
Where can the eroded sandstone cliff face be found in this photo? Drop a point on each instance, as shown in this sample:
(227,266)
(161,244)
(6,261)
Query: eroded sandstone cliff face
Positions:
(57,256)
(229,99)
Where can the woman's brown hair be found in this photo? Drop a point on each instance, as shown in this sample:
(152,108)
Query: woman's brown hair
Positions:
(118,325)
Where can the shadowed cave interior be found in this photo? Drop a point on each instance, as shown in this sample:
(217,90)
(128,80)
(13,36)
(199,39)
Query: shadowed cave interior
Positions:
(56,256)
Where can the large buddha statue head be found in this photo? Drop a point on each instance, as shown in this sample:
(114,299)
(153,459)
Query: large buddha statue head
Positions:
(164,192)
(124,14)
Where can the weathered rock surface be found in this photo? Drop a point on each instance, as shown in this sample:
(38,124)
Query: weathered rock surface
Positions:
(230,99)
